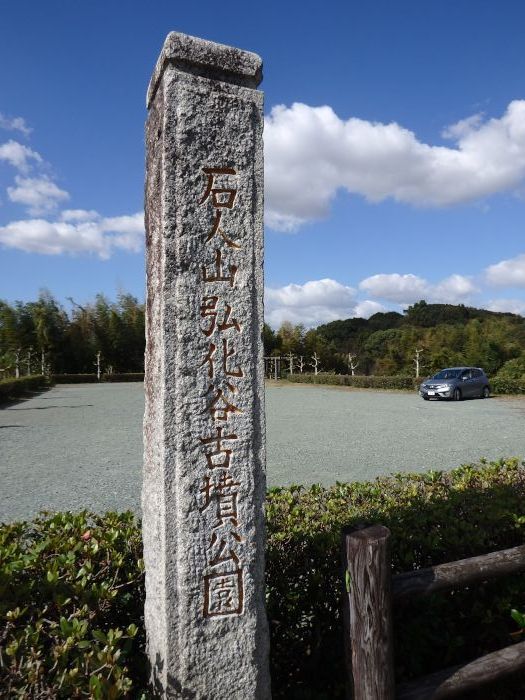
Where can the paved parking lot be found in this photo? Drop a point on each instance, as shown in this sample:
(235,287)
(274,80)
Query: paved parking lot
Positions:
(80,446)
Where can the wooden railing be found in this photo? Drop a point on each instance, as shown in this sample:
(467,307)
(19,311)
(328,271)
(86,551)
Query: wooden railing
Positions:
(368,618)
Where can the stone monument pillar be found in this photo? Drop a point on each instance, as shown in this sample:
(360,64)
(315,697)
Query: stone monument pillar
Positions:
(204,443)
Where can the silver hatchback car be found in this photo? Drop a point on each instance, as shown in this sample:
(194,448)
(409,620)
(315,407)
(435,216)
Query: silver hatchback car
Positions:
(456,383)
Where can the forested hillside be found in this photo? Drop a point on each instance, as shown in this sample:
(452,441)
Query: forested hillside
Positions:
(384,344)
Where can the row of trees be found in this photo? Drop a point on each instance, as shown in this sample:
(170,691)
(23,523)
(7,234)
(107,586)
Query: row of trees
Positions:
(109,336)
(42,336)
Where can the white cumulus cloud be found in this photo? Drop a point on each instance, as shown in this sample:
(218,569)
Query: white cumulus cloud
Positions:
(408,288)
(314,302)
(462,127)
(310,153)
(70,231)
(14,124)
(18,155)
(403,289)
(513,306)
(79,215)
(38,194)
(453,290)
(100,236)
(367,308)
(507,273)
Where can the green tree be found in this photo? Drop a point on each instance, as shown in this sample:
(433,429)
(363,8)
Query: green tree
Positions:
(269,340)
(291,338)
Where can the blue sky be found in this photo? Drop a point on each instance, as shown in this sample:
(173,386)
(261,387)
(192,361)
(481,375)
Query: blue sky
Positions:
(394,148)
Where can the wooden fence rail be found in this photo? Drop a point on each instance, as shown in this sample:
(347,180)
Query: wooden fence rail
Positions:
(372,589)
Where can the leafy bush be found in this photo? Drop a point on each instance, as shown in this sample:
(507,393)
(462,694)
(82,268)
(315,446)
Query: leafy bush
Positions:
(14,388)
(434,518)
(360,381)
(502,385)
(71,586)
(71,597)
(513,369)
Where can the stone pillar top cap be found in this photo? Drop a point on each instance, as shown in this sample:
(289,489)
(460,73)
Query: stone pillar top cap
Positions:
(221,61)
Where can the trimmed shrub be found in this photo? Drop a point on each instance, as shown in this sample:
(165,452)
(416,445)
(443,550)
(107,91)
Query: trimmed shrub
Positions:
(434,518)
(71,586)
(499,385)
(360,381)
(127,377)
(15,388)
(74,378)
(90,378)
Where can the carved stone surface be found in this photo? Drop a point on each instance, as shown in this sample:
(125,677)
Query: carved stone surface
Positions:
(204,450)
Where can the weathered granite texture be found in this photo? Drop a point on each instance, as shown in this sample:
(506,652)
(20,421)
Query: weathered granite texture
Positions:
(204,450)
(213,60)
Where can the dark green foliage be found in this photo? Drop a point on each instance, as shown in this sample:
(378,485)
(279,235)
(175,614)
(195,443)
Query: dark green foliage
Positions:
(384,320)
(269,338)
(501,385)
(342,331)
(90,378)
(74,378)
(14,388)
(71,586)
(358,381)
(498,385)
(71,597)
(126,377)
(448,336)
(383,345)
(434,518)
(72,340)
(429,315)
(514,369)
(35,325)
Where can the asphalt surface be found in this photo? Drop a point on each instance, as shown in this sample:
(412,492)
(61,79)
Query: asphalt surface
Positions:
(80,446)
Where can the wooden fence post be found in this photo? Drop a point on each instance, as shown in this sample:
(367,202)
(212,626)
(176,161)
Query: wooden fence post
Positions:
(371,662)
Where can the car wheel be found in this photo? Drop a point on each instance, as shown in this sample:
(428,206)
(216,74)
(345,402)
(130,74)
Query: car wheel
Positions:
(457,395)
(486,392)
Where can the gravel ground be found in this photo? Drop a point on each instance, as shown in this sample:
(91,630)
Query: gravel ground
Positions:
(80,446)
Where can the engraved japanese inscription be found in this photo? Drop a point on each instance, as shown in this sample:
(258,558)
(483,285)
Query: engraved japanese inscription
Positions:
(223,579)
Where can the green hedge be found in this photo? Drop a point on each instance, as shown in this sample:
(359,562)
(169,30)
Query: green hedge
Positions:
(74,378)
(71,586)
(499,385)
(15,388)
(360,381)
(127,377)
(90,378)
(434,518)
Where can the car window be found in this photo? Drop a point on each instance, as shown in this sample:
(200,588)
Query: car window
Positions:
(477,373)
(447,374)
(465,375)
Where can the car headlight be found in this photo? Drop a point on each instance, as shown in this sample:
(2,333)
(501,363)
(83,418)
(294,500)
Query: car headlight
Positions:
(443,387)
